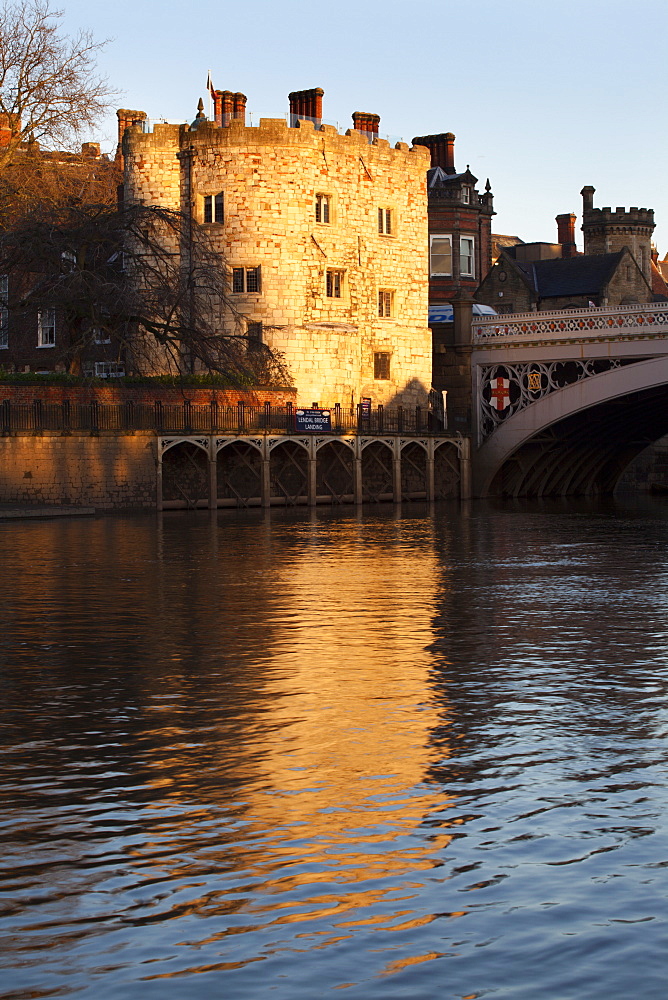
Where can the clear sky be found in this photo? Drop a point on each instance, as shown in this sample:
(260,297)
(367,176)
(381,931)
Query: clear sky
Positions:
(544,97)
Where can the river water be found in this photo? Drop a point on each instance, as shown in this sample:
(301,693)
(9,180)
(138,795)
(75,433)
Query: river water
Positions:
(385,754)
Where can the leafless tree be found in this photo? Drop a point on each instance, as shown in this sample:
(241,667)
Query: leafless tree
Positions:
(49,86)
(146,277)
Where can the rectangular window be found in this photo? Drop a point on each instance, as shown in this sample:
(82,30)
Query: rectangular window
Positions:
(334,284)
(100,336)
(466,195)
(385,221)
(322,205)
(440,255)
(385,302)
(213,207)
(4,311)
(246,279)
(109,369)
(466,260)
(381,366)
(46,328)
(254,333)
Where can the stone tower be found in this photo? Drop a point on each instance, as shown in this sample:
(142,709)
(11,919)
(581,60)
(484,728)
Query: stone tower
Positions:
(606,231)
(323,236)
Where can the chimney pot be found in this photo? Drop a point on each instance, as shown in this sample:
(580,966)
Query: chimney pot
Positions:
(306,104)
(442,149)
(566,234)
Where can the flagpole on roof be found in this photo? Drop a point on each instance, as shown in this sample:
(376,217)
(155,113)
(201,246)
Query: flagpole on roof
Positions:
(209,88)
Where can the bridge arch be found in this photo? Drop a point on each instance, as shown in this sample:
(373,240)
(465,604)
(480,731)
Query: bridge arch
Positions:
(580,439)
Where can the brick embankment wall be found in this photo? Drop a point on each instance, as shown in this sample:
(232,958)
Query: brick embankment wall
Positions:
(106,471)
(144,394)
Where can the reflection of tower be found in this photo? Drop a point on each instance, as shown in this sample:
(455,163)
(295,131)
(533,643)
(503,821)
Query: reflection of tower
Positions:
(606,231)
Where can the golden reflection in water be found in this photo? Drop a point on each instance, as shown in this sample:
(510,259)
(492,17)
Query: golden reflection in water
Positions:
(340,743)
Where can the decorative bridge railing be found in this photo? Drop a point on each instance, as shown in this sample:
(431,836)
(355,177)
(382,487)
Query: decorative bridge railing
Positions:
(188,418)
(649,319)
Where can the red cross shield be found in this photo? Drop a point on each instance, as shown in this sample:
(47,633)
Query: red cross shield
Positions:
(500,393)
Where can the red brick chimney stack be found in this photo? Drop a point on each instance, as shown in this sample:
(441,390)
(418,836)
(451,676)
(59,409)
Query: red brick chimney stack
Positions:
(566,234)
(306,104)
(239,110)
(442,149)
(365,122)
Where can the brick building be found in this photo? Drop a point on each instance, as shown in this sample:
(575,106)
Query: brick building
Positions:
(33,340)
(460,224)
(324,237)
(616,267)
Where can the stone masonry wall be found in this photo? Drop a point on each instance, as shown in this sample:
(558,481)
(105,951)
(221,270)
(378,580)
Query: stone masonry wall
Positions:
(104,471)
(269,177)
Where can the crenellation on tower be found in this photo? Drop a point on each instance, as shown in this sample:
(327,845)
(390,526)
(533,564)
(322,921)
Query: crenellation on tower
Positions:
(606,231)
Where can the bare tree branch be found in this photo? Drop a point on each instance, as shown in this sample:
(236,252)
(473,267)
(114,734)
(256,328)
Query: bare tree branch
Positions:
(49,87)
(122,271)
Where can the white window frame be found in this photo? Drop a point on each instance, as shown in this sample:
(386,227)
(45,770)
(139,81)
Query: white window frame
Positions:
(386,221)
(100,336)
(109,369)
(46,321)
(432,254)
(323,208)
(467,257)
(4,312)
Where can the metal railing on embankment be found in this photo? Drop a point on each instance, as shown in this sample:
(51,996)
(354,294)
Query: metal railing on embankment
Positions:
(212,418)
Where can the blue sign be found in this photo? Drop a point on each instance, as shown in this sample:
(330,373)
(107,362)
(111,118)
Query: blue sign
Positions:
(313,421)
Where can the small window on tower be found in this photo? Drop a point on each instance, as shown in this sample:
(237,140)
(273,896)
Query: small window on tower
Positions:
(322,208)
(385,302)
(334,284)
(245,279)
(385,221)
(381,366)
(214,210)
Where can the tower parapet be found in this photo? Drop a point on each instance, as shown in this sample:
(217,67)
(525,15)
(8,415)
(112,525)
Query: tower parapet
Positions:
(606,231)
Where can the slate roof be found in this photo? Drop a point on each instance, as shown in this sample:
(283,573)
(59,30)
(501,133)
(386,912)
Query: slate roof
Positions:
(585,275)
(437,177)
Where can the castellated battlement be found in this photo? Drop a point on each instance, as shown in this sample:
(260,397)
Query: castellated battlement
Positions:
(270,132)
(620,217)
(606,231)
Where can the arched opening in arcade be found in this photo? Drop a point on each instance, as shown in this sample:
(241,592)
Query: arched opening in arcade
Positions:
(335,476)
(447,475)
(185,482)
(289,473)
(239,475)
(413,472)
(377,478)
